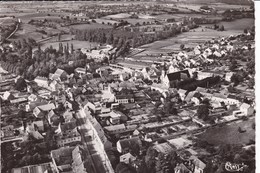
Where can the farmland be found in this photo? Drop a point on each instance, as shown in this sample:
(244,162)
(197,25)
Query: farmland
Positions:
(90,26)
(229,134)
(191,38)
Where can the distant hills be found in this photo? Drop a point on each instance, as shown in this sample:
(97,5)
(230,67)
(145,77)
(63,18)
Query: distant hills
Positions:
(233,2)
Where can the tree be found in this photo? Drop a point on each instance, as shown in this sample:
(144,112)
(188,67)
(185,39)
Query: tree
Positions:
(123,168)
(221,28)
(20,84)
(71,48)
(236,78)
(203,112)
(182,46)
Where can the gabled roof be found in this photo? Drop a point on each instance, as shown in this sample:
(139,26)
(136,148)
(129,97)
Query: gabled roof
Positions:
(59,72)
(47,107)
(198,162)
(245,106)
(190,95)
(202,90)
(219,95)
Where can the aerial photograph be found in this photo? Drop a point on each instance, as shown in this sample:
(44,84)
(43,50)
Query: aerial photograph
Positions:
(132,86)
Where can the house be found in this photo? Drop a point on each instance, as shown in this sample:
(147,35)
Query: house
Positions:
(164,148)
(176,76)
(39,168)
(128,98)
(80,71)
(199,165)
(7,96)
(114,117)
(247,109)
(204,74)
(180,143)
(53,118)
(127,158)
(196,98)
(182,93)
(232,100)
(62,159)
(228,76)
(60,75)
(217,97)
(190,96)
(42,81)
(125,145)
(35,126)
(40,111)
(93,106)
(68,116)
(69,138)
(181,168)
(55,85)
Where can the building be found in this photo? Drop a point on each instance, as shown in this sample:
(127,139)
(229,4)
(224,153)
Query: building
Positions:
(167,79)
(228,76)
(80,71)
(60,75)
(247,109)
(199,166)
(39,168)
(7,96)
(129,98)
(42,110)
(127,158)
(182,93)
(42,81)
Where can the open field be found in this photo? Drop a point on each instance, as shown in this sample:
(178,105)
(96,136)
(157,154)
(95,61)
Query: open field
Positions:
(241,24)
(229,134)
(28,30)
(76,44)
(118,16)
(90,26)
(191,39)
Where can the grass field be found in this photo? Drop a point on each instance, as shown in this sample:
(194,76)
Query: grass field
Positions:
(229,134)
(90,26)
(118,16)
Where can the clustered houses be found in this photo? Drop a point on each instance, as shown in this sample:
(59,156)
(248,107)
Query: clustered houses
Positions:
(138,108)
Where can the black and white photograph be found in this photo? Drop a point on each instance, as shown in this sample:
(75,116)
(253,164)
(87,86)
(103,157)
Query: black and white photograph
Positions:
(128,86)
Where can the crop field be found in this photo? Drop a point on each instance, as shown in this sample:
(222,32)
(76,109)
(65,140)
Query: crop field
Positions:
(229,134)
(90,26)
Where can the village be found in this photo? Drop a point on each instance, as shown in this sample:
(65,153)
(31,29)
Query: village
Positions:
(78,110)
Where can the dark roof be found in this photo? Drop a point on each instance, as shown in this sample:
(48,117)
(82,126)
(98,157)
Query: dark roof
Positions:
(178,75)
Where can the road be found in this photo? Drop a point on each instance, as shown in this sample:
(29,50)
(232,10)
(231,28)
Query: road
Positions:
(90,137)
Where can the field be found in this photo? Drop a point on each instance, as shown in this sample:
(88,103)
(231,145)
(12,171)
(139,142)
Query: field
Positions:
(240,24)
(118,16)
(28,30)
(229,134)
(191,39)
(76,44)
(90,26)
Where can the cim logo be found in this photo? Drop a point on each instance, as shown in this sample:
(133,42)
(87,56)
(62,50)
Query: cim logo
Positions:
(233,167)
